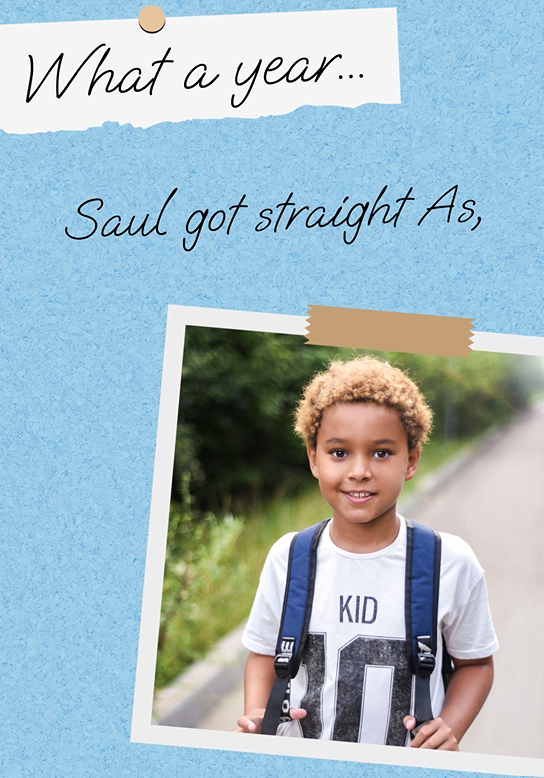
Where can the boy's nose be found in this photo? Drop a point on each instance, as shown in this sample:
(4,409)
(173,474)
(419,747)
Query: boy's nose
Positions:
(360,469)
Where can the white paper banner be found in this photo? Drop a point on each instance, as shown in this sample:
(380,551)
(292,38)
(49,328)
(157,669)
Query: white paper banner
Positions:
(75,75)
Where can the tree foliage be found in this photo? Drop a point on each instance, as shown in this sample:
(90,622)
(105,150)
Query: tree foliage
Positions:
(238,393)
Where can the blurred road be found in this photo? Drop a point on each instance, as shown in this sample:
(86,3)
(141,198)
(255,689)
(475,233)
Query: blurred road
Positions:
(496,503)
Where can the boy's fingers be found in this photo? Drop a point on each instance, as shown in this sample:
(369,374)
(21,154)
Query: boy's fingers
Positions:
(424,733)
(441,741)
(251,725)
(409,722)
(297,713)
(435,735)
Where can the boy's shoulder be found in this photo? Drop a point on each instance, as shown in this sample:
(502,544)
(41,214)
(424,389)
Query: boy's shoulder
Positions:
(460,570)
(281,547)
(278,556)
(277,561)
(457,551)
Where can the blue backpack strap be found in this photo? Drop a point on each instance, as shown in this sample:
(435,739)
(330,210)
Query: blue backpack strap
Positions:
(295,619)
(422,584)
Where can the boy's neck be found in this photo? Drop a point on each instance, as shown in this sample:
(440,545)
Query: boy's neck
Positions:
(365,538)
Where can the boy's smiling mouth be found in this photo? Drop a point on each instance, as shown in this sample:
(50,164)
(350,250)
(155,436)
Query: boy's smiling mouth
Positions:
(359,497)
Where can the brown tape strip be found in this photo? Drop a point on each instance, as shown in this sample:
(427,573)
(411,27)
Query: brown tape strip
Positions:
(388,331)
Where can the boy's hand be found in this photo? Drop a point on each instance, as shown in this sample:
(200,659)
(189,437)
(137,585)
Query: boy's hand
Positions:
(251,722)
(434,734)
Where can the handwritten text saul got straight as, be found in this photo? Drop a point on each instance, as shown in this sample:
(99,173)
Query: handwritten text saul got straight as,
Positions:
(349,216)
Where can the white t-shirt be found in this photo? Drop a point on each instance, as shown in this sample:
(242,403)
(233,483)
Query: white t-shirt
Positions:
(354,680)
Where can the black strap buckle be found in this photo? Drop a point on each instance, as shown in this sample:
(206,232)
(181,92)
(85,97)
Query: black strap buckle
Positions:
(426,661)
(425,665)
(284,660)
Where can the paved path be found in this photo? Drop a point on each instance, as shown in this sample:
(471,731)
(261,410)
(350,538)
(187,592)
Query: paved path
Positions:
(496,503)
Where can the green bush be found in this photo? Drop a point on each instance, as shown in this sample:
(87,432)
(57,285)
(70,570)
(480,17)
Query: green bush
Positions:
(200,595)
(209,588)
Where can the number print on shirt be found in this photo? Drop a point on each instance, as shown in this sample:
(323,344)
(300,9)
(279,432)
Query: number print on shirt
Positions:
(313,659)
(373,689)
(354,659)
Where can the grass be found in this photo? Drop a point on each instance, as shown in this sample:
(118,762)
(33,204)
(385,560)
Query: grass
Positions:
(220,585)
(223,580)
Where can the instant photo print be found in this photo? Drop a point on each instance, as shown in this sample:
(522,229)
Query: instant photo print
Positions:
(502,409)
(201,204)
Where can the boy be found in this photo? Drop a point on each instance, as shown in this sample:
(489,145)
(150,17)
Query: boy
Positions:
(364,423)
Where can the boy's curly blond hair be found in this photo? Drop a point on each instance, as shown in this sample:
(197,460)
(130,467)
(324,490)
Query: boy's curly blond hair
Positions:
(364,379)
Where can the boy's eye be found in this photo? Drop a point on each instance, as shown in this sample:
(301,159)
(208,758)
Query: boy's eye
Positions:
(382,453)
(338,453)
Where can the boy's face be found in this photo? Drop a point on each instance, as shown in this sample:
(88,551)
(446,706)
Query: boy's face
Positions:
(362,461)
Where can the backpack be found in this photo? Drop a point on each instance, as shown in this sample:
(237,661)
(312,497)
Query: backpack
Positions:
(422,582)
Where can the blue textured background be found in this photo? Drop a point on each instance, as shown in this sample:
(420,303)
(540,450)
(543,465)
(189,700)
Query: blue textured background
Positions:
(82,328)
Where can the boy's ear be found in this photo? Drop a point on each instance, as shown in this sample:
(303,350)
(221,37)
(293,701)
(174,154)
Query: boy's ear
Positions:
(312,460)
(413,461)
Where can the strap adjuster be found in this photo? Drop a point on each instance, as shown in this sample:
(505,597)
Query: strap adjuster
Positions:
(425,665)
(283,660)
(426,661)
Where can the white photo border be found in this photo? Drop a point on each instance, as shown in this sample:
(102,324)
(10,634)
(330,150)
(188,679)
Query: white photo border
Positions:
(143,731)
